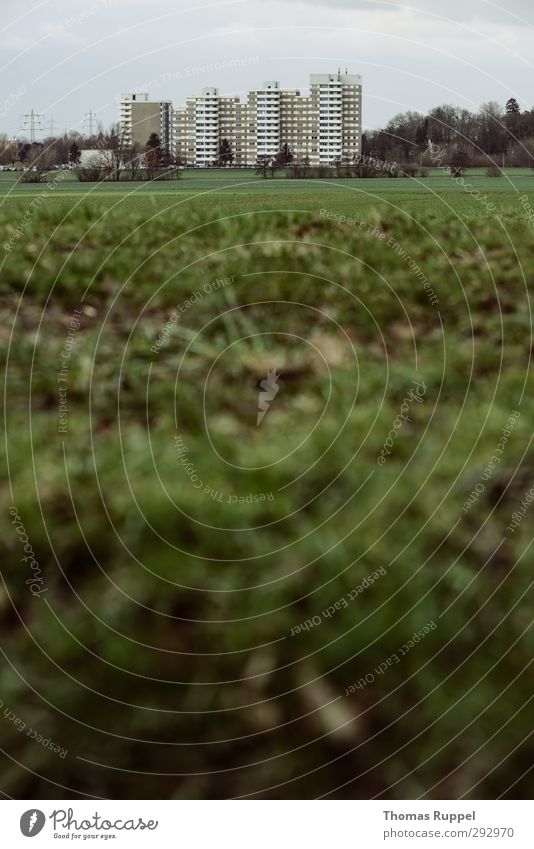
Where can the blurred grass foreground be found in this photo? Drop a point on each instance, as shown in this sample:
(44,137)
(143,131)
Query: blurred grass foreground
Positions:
(267,523)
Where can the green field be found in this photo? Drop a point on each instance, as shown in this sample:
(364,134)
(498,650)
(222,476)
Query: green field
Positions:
(180,546)
(242,190)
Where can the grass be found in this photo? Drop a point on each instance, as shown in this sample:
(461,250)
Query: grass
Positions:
(237,191)
(160,656)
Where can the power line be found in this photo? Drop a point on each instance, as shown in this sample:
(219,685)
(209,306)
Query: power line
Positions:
(34,122)
(90,122)
(52,125)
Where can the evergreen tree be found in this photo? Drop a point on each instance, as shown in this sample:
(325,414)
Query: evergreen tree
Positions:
(284,156)
(154,142)
(74,154)
(24,149)
(513,119)
(226,157)
(421,136)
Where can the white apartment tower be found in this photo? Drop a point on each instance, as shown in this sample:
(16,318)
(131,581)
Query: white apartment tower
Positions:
(265,108)
(207,126)
(321,127)
(336,103)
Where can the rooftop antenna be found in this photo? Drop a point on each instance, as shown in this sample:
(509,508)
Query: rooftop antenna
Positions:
(34,122)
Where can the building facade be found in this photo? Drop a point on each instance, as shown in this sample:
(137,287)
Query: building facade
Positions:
(141,117)
(320,128)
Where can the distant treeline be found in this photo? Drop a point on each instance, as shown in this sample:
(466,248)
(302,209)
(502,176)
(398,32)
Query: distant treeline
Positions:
(482,138)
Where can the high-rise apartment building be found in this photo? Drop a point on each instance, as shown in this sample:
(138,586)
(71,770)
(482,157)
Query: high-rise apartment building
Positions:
(321,127)
(141,117)
(336,103)
(196,127)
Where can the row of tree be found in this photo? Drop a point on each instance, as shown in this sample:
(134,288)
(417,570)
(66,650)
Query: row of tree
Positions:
(114,159)
(492,134)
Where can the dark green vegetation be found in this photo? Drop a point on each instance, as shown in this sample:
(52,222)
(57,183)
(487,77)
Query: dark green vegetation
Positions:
(160,654)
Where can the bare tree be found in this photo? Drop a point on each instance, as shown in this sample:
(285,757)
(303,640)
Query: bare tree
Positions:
(37,162)
(134,160)
(9,150)
(114,151)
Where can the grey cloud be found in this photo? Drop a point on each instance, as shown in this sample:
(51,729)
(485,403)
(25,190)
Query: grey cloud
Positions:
(74,55)
(456,10)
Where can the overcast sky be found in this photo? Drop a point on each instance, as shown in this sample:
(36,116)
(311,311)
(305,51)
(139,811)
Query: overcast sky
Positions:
(65,57)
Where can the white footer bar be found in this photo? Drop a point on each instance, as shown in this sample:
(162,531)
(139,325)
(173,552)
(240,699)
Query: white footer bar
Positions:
(267,824)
